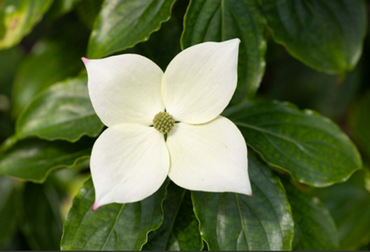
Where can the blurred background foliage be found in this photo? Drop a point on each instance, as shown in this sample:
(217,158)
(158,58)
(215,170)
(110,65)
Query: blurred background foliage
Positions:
(46,49)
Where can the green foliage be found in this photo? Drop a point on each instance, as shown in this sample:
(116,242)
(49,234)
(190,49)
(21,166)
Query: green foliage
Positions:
(315,32)
(17,17)
(63,112)
(349,209)
(41,220)
(232,221)
(123,24)
(48,63)
(314,227)
(180,228)
(47,123)
(360,123)
(7,209)
(308,146)
(220,20)
(111,227)
(34,159)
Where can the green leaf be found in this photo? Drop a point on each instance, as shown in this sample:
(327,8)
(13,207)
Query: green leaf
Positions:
(305,144)
(326,35)
(18,17)
(218,20)
(33,159)
(40,217)
(123,24)
(61,7)
(8,220)
(180,228)
(48,63)
(113,226)
(330,95)
(232,221)
(63,112)
(87,11)
(349,203)
(314,228)
(359,123)
(9,61)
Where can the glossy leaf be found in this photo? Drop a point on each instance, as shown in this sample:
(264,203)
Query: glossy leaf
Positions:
(349,203)
(218,20)
(33,159)
(48,63)
(18,17)
(63,112)
(41,220)
(305,144)
(326,35)
(113,226)
(180,228)
(8,220)
(359,123)
(123,24)
(314,228)
(232,221)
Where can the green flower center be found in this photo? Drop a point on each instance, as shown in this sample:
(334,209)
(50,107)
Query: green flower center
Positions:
(163,122)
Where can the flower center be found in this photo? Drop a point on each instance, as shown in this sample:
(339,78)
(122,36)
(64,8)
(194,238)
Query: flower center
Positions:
(163,122)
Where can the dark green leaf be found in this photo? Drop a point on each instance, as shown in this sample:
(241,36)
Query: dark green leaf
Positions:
(359,123)
(113,226)
(123,24)
(314,228)
(9,61)
(349,204)
(48,63)
(168,38)
(34,159)
(232,221)
(41,220)
(62,7)
(218,20)
(63,112)
(17,18)
(325,35)
(308,146)
(328,94)
(8,220)
(87,11)
(180,228)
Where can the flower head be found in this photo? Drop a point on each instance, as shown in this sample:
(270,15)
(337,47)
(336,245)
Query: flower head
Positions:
(141,105)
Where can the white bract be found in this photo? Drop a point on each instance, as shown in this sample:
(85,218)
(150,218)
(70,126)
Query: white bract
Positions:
(203,151)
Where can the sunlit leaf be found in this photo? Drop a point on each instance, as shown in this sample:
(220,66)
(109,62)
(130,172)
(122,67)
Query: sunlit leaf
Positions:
(18,17)
(123,24)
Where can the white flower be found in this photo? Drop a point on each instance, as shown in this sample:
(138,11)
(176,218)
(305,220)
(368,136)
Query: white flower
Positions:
(203,151)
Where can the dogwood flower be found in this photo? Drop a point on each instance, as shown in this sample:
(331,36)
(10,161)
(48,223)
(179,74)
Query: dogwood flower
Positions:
(166,124)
